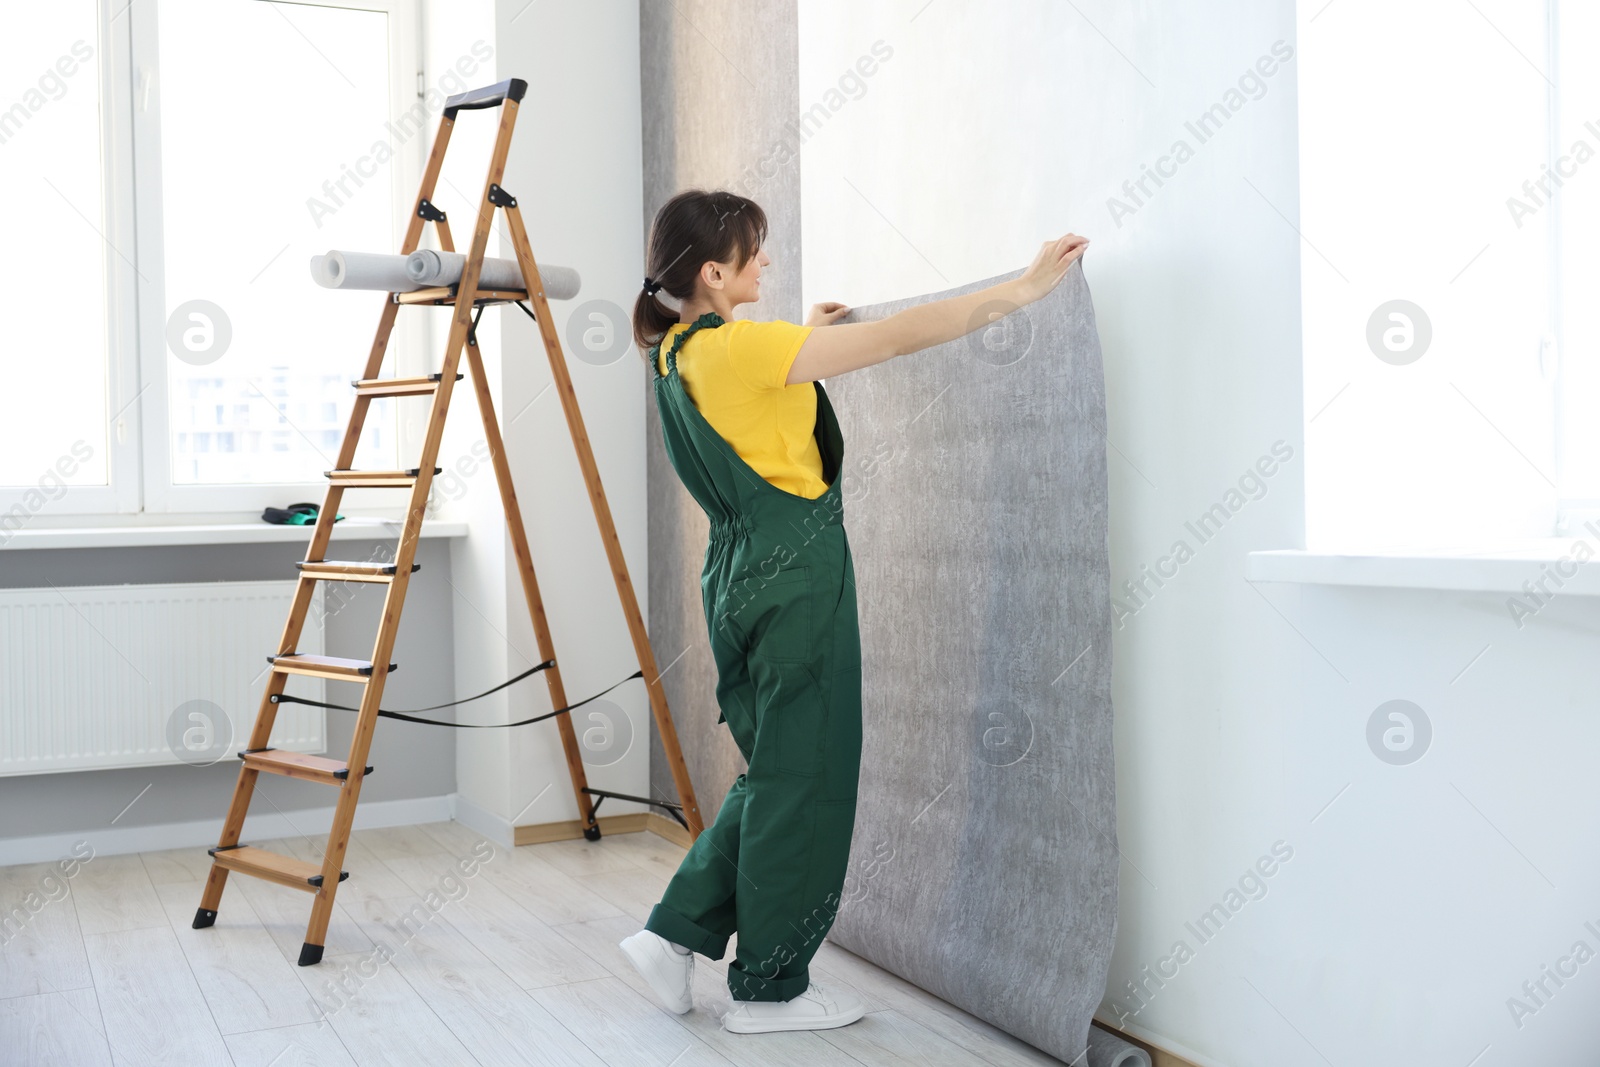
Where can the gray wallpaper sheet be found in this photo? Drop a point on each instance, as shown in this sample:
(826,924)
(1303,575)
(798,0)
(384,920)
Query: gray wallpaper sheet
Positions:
(984,863)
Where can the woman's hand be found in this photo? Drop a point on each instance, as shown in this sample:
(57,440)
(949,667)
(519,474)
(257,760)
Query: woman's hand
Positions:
(826,314)
(1050,266)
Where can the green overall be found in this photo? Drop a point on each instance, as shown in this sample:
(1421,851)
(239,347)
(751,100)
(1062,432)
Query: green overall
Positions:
(780,603)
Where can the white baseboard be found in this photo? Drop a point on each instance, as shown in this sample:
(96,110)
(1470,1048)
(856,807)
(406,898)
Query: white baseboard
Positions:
(1168,1053)
(497,829)
(260,825)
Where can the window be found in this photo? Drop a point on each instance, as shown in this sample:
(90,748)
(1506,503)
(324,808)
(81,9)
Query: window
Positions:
(182,160)
(1573,222)
(66,349)
(1450,189)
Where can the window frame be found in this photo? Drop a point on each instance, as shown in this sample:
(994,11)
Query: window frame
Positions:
(137,386)
(1573,510)
(1566,507)
(161,494)
(121,492)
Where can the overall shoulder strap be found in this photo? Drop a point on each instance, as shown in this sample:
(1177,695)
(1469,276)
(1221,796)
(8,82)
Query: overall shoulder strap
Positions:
(709,320)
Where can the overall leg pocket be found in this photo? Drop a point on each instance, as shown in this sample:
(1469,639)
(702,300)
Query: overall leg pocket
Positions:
(786,661)
(791,717)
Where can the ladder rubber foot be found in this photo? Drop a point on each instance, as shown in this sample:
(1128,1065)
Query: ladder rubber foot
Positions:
(592,833)
(203,918)
(310,954)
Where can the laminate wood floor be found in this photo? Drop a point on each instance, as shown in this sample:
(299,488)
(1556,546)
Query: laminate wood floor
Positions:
(515,964)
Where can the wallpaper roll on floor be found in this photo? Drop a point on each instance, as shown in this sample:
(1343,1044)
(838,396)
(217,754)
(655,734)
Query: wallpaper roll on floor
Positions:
(1108,1050)
(984,862)
(428,267)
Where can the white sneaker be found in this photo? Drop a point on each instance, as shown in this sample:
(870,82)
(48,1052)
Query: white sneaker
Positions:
(668,971)
(815,1009)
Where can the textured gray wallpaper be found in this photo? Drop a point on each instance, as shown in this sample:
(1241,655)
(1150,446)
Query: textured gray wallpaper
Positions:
(715,115)
(984,864)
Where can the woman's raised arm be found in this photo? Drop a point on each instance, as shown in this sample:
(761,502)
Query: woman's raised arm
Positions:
(836,349)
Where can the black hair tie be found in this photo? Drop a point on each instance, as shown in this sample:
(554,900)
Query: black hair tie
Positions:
(651,287)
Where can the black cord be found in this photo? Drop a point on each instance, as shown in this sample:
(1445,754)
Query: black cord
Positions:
(284,698)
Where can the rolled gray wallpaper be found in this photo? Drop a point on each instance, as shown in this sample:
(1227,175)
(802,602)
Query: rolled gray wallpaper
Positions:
(984,863)
(1108,1050)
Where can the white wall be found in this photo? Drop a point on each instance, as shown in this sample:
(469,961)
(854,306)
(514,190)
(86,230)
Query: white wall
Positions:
(575,170)
(1418,898)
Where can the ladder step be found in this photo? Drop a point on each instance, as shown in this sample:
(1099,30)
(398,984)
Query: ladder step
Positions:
(298,765)
(346,479)
(340,570)
(399,386)
(270,866)
(344,670)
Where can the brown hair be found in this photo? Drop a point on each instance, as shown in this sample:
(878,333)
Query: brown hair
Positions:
(693,227)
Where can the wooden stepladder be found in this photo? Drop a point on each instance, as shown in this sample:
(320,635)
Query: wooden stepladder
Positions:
(347,775)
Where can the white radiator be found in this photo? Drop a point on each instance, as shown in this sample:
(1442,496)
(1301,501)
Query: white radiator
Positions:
(146,675)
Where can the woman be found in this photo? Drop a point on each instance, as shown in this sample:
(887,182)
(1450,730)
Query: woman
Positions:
(751,433)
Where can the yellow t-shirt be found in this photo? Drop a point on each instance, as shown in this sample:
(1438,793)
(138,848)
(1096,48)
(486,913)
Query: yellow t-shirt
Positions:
(735,375)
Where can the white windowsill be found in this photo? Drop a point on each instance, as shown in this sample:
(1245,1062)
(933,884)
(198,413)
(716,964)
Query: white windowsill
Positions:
(349,528)
(1500,568)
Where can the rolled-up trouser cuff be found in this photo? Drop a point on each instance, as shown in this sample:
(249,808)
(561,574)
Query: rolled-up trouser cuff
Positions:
(743,985)
(691,935)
